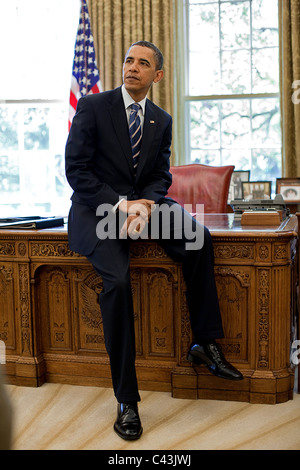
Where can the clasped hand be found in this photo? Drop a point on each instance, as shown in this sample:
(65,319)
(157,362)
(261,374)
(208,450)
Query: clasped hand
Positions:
(138,215)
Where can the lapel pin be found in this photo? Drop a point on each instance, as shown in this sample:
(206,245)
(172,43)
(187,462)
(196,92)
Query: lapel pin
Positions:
(151,122)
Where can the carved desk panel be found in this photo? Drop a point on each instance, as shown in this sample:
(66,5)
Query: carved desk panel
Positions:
(51,323)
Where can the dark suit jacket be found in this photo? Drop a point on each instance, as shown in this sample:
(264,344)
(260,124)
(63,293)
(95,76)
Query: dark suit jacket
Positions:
(99,164)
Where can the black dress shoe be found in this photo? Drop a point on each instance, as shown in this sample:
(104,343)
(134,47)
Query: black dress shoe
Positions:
(211,355)
(128,423)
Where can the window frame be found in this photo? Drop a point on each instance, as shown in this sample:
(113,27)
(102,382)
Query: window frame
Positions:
(21,152)
(53,94)
(184,98)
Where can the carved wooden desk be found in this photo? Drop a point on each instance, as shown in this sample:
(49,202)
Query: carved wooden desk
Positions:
(51,324)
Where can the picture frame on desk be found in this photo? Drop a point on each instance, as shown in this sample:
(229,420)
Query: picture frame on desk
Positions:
(256,190)
(289,188)
(235,188)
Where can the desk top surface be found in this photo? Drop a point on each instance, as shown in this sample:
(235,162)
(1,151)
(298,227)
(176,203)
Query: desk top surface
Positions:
(228,223)
(218,224)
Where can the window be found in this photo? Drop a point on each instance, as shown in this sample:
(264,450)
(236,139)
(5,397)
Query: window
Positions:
(34,104)
(232,107)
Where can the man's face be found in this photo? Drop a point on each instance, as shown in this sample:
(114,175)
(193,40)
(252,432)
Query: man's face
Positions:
(139,71)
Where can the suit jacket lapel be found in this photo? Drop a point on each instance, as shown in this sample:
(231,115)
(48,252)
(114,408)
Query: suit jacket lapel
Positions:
(150,123)
(120,123)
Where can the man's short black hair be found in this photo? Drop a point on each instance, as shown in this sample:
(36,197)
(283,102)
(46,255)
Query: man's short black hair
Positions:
(159,58)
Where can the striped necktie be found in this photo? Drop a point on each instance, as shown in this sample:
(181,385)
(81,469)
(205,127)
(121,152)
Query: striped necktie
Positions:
(135,133)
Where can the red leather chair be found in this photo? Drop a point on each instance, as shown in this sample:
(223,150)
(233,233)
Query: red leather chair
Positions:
(201,184)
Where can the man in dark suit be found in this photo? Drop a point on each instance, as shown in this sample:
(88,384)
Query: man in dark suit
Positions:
(128,178)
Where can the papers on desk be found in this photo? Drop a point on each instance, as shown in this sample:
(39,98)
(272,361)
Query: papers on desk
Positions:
(34,222)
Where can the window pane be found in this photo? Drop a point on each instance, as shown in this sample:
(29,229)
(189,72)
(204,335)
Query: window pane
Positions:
(266,164)
(37,181)
(236,76)
(204,50)
(207,157)
(8,128)
(205,124)
(266,122)
(204,73)
(235,25)
(240,132)
(265,70)
(235,124)
(9,177)
(36,130)
(241,158)
(204,27)
(264,23)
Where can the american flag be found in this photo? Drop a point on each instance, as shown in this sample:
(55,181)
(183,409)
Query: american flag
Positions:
(85,75)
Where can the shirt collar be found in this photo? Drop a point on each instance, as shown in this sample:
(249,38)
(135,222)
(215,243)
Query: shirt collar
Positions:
(128,100)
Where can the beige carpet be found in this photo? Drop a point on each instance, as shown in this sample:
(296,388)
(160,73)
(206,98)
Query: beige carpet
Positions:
(68,417)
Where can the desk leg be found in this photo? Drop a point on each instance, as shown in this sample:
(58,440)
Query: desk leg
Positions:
(29,366)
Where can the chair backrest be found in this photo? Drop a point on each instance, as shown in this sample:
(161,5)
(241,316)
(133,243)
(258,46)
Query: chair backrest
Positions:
(201,184)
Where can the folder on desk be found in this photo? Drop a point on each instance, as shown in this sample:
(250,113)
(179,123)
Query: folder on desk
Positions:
(34,222)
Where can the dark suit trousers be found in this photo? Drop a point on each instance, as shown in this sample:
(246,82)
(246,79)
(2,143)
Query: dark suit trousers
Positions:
(111,260)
